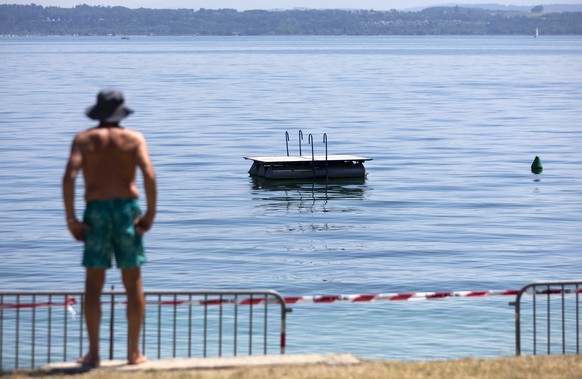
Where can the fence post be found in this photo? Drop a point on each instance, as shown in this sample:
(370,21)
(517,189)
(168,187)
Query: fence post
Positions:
(112,324)
(518,323)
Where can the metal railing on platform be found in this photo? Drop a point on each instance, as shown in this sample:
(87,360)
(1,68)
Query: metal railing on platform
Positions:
(37,328)
(548,321)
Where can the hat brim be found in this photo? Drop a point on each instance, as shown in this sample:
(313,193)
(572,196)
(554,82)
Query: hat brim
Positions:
(121,112)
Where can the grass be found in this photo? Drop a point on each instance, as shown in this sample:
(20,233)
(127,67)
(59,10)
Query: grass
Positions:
(540,367)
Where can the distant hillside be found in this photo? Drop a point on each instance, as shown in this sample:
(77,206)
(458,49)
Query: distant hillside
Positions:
(99,20)
(514,8)
(547,7)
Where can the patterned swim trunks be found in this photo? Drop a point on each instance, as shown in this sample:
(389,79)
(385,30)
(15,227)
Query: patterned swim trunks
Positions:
(112,231)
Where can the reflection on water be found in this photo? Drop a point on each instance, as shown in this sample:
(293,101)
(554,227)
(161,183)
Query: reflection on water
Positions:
(345,188)
(307,195)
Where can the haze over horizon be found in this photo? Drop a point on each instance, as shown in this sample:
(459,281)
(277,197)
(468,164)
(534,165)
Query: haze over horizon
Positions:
(281,4)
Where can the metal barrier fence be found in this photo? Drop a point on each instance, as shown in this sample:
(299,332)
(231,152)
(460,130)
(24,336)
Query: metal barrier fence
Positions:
(553,311)
(37,328)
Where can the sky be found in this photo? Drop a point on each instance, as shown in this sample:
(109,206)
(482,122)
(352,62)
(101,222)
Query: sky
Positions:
(280,4)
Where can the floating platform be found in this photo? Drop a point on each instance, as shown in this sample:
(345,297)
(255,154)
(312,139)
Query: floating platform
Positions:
(307,167)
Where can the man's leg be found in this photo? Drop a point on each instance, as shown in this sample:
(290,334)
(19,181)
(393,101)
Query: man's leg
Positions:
(95,278)
(135,312)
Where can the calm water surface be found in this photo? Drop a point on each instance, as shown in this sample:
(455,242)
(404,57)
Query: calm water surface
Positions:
(449,204)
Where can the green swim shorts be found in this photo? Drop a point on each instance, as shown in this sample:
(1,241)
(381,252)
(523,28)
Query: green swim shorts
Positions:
(112,231)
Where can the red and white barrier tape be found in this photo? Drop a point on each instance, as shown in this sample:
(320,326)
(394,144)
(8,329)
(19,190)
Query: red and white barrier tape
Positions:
(69,302)
(414,296)
(325,299)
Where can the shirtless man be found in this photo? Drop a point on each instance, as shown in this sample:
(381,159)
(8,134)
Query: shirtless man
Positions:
(109,157)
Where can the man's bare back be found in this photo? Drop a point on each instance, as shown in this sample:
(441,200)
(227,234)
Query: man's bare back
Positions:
(110,159)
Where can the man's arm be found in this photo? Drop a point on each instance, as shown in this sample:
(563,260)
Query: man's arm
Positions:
(145,222)
(74,165)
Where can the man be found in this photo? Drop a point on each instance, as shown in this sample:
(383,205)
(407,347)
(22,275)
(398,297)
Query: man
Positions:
(109,156)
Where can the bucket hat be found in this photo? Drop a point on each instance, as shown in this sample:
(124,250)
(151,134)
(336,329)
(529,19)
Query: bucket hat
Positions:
(110,107)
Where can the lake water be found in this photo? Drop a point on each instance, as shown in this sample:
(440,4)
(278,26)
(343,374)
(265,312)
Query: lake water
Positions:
(449,204)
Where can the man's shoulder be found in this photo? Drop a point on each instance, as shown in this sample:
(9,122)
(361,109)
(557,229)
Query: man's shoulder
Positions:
(130,136)
(96,131)
(131,132)
(84,134)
